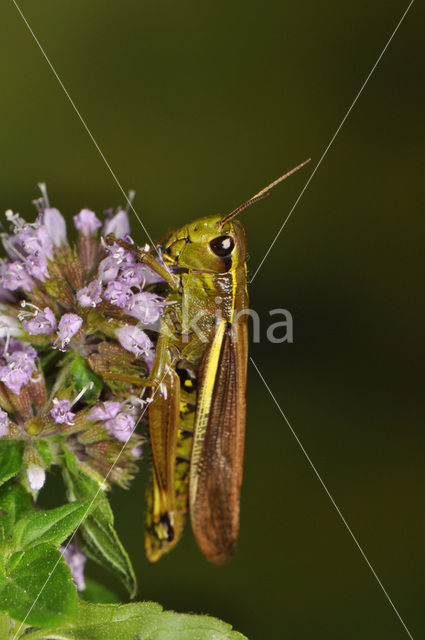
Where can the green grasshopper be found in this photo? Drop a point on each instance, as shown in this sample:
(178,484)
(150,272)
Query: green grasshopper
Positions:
(197,419)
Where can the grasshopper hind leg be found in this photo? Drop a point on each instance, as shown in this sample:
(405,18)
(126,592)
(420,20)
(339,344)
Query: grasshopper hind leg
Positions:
(166,517)
(169,529)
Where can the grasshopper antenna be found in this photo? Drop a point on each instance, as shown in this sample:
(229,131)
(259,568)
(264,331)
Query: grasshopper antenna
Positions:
(261,194)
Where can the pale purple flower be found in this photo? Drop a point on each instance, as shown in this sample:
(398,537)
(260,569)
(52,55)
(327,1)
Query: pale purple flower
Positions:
(15,275)
(104,411)
(149,358)
(150,277)
(12,246)
(146,307)
(69,325)
(87,222)
(23,360)
(138,274)
(4,423)
(137,451)
(119,225)
(76,560)
(16,345)
(61,412)
(55,225)
(29,241)
(108,269)
(42,322)
(121,254)
(36,241)
(9,325)
(36,476)
(37,267)
(17,371)
(31,247)
(90,295)
(133,274)
(117,293)
(121,426)
(135,340)
(110,266)
(14,379)
(5,295)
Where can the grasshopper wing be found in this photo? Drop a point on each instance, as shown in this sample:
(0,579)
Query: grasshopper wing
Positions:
(217,453)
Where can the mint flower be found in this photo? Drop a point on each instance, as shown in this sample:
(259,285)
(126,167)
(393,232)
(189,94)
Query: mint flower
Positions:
(69,325)
(36,266)
(118,225)
(4,423)
(137,452)
(87,222)
(96,304)
(90,296)
(117,293)
(146,307)
(133,274)
(61,412)
(36,242)
(76,561)
(108,269)
(104,411)
(19,364)
(55,225)
(38,322)
(135,340)
(121,426)
(15,275)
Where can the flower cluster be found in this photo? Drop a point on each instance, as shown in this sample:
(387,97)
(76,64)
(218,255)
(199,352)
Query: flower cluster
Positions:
(76,338)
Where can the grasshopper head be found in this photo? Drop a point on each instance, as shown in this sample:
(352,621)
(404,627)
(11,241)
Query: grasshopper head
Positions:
(215,244)
(207,244)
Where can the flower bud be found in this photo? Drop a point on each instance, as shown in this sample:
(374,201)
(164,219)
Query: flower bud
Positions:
(36,476)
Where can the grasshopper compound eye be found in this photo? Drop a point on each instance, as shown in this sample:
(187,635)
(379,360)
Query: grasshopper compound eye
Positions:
(222,246)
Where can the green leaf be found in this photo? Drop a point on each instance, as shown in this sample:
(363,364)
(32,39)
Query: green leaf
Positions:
(70,460)
(82,374)
(180,626)
(144,620)
(14,501)
(45,452)
(4,626)
(102,544)
(37,587)
(11,453)
(95,592)
(52,526)
(112,622)
(101,541)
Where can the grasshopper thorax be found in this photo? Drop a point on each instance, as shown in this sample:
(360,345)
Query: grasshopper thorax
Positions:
(207,245)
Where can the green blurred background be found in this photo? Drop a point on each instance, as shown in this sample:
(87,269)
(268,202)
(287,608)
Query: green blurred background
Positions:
(196,105)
